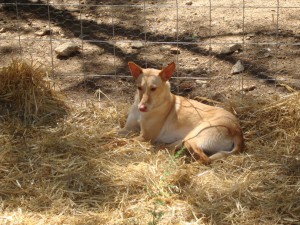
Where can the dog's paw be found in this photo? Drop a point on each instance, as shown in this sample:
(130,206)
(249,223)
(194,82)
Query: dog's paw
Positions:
(123,133)
(140,138)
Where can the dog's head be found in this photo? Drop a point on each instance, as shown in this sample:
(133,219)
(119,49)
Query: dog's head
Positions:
(152,84)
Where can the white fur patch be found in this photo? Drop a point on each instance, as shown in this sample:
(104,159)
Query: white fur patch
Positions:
(177,104)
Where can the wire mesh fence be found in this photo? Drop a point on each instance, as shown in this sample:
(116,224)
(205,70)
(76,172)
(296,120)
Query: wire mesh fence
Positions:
(70,165)
(204,38)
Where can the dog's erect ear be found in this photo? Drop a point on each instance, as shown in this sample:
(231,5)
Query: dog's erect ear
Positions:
(167,72)
(135,70)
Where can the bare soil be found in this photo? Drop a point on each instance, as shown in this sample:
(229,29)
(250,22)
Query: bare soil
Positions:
(105,31)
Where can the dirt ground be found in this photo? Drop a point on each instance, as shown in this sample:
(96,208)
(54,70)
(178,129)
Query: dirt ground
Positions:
(153,34)
(106,33)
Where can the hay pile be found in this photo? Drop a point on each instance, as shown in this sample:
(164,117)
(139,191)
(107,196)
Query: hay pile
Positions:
(25,93)
(79,172)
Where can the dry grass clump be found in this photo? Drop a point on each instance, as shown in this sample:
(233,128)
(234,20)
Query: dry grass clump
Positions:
(25,93)
(80,172)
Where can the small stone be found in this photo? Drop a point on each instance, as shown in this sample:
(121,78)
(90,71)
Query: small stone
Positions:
(124,46)
(187,86)
(249,88)
(175,51)
(201,81)
(43,32)
(219,96)
(237,68)
(249,36)
(205,85)
(121,44)
(231,49)
(264,53)
(2,30)
(189,38)
(137,45)
(66,49)
(189,3)
(165,48)
(100,51)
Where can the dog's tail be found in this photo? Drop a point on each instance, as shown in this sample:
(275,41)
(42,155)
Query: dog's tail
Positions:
(238,146)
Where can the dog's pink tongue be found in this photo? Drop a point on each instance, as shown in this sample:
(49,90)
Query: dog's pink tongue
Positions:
(143,108)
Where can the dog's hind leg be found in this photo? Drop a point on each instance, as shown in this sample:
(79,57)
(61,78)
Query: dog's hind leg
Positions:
(196,152)
(175,145)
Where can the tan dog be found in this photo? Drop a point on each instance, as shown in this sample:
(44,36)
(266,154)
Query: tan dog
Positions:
(209,133)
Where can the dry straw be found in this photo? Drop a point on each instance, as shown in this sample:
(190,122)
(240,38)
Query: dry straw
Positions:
(80,172)
(25,93)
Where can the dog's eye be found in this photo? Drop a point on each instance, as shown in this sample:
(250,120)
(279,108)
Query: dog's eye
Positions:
(153,89)
(140,88)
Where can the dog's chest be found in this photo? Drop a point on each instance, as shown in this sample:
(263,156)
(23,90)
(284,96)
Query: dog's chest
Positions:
(171,130)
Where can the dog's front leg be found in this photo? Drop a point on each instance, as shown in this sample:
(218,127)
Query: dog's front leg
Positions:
(132,122)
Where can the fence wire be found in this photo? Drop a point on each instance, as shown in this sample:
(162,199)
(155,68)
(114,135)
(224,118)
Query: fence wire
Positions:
(197,35)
